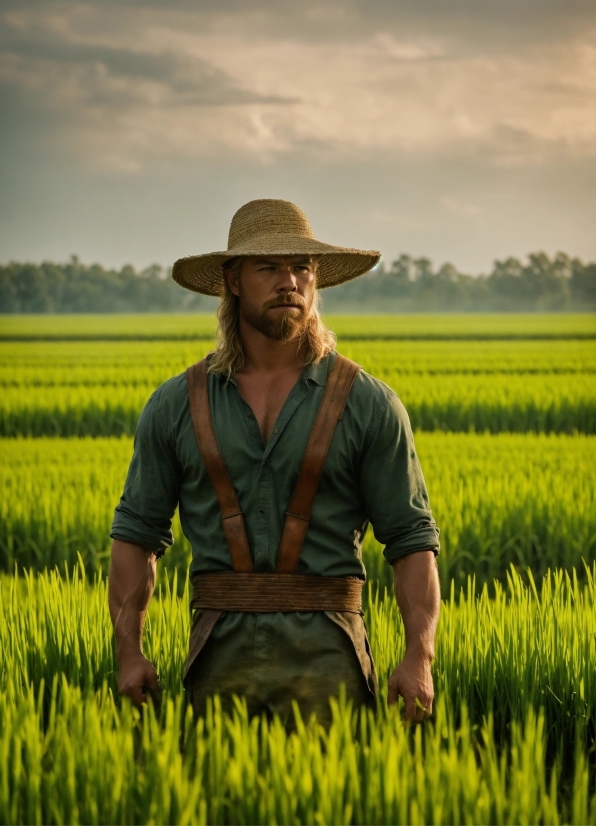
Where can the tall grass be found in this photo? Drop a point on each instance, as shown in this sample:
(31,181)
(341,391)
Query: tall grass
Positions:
(385,358)
(525,645)
(195,326)
(459,402)
(71,411)
(98,388)
(62,363)
(511,741)
(526,500)
(85,762)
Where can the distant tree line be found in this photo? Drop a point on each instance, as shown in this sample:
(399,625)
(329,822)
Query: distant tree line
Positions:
(413,285)
(77,288)
(408,285)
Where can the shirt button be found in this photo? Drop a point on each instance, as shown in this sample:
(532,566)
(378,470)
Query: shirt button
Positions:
(276,430)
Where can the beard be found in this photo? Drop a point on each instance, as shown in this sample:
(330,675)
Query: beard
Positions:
(280,326)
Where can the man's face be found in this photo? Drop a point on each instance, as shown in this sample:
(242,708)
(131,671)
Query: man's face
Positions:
(276,294)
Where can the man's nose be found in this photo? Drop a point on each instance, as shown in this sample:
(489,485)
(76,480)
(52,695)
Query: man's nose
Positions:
(287,280)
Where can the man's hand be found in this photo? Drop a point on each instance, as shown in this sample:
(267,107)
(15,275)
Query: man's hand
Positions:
(138,678)
(412,680)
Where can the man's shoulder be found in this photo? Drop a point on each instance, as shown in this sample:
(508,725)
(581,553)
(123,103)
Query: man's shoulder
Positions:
(172,388)
(168,397)
(369,389)
(372,402)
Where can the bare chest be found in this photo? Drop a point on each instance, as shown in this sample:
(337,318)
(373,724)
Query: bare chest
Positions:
(265,396)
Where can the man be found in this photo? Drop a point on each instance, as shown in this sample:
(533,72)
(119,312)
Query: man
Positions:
(278,452)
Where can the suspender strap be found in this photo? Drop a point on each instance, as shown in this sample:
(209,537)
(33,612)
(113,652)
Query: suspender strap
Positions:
(231,515)
(330,412)
(297,519)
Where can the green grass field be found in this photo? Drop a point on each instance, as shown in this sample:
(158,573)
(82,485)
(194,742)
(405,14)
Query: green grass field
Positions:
(99,388)
(504,411)
(498,750)
(512,499)
(492,403)
(49,363)
(428,327)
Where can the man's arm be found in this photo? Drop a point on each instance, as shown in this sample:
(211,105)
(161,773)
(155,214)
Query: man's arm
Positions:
(418,596)
(131,583)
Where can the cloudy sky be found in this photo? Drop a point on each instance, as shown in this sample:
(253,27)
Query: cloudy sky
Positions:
(131,131)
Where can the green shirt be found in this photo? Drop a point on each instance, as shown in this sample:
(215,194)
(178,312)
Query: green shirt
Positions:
(371,475)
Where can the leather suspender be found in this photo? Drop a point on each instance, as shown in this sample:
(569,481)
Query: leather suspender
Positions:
(231,515)
(297,518)
(330,412)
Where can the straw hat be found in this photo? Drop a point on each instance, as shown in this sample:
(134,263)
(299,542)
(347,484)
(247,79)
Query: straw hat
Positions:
(272,227)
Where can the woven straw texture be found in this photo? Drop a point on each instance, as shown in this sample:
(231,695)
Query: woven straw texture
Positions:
(272,227)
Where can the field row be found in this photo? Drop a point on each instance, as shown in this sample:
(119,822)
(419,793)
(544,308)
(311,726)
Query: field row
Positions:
(499,500)
(491,403)
(505,667)
(195,326)
(494,653)
(86,761)
(36,364)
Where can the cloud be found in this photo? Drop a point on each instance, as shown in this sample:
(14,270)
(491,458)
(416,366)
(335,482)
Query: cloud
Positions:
(127,84)
(37,58)
(142,125)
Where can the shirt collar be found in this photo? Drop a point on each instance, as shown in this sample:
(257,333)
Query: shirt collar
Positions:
(312,372)
(320,372)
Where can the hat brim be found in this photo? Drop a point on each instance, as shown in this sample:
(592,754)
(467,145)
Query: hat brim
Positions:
(204,274)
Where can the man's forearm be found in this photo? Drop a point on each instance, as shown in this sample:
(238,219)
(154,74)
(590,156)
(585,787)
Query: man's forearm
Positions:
(131,584)
(419,599)
(418,596)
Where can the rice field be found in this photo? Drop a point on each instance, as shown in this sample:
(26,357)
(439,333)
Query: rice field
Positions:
(498,749)
(504,412)
(57,498)
(178,327)
(98,389)
(478,403)
(62,363)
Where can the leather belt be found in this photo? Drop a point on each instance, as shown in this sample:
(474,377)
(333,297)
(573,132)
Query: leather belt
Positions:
(271,592)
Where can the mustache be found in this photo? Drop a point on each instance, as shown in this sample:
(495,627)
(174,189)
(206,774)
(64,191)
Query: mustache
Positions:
(290,299)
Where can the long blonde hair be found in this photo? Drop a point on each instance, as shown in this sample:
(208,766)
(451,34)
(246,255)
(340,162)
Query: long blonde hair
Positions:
(317,340)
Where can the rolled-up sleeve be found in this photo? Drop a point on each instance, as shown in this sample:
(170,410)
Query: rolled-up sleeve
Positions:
(393,485)
(145,511)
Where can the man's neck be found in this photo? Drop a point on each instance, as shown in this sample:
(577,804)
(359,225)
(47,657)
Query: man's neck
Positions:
(266,355)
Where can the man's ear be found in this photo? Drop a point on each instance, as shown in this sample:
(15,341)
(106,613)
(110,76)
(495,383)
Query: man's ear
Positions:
(232,277)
